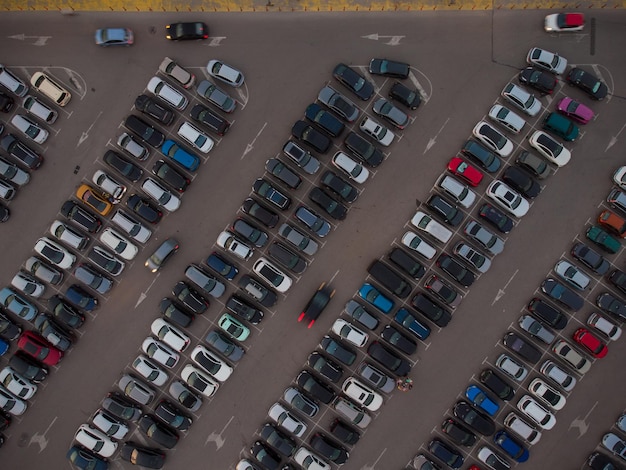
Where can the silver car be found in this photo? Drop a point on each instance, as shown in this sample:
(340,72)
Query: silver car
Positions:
(522,99)
(133,147)
(572,275)
(472,257)
(506,118)
(27,284)
(536,329)
(387,110)
(511,367)
(43,271)
(216,96)
(207,283)
(136,389)
(376,378)
(338,103)
(493,244)
(11,172)
(301,157)
(301,241)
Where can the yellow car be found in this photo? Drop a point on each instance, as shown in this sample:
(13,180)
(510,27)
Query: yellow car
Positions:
(93,199)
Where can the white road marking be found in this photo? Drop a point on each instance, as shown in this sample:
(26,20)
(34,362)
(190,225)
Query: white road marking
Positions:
(250,146)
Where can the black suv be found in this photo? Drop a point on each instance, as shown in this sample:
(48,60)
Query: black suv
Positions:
(212,121)
(456,270)
(521,181)
(517,344)
(547,313)
(407,263)
(154,109)
(14,147)
(339,186)
(446,210)
(264,215)
(144,131)
(287,258)
(496,384)
(390,279)
(81,216)
(431,310)
(242,308)
(364,150)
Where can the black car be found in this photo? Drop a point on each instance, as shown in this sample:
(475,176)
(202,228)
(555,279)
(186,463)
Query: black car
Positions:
(6,102)
(309,135)
(563,294)
(22,152)
(315,388)
(261,213)
(250,232)
(521,181)
(169,413)
(389,68)
(496,384)
(142,456)
(526,350)
(144,131)
(65,313)
(272,194)
(442,290)
(599,461)
(458,433)
(243,309)
(282,172)
(474,418)
(28,367)
(547,313)
(587,82)
(8,329)
(397,339)
(448,212)
(610,304)
(339,186)
(389,359)
(154,109)
(265,455)
(364,150)
(328,449)
(144,209)
(175,313)
(333,208)
(337,350)
(431,310)
(256,290)
(287,258)
(325,367)
(82,217)
(123,166)
(121,407)
(5,213)
(211,120)
(158,432)
(105,260)
(354,81)
(170,175)
(618,279)
(456,270)
(190,297)
(481,155)
(324,119)
(391,280)
(407,263)
(186,31)
(445,453)
(344,433)
(496,218)
(544,82)
(405,95)
(590,258)
(316,304)
(282,443)
(53,332)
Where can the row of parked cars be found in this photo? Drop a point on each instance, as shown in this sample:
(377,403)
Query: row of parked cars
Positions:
(614,442)
(473,415)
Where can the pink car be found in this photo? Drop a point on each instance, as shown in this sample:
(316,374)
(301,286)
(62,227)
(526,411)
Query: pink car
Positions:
(575,110)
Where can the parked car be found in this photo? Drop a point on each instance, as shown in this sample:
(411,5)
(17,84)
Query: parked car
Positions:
(587,82)
(338,103)
(557,291)
(521,99)
(522,347)
(356,83)
(216,96)
(550,149)
(571,356)
(544,82)
(260,212)
(364,150)
(310,136)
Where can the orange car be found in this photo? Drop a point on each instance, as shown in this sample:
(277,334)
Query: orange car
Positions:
(613,223)
(93,199)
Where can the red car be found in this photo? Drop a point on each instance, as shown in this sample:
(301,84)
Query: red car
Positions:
(590,342)
(468,172)
(36,346)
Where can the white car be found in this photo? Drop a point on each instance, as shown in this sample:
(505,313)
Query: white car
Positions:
(150,371)
(169,334)
(39,109)
(118,244)
(110,425)
(492,459)
(11,82)
(547,394)
(232,244)
(427,224)
(378,132)
(168,93)
(549,148)
(563,350)
(69,235)
(619,177)
(109,185)
(131,226)
(271,274)
(506,118)
(546,60)
(522,99)
(493,138)
(309,460)
(350,333)
(416,243)
(210,362)
(199,380)
(459,191)
(555,373)
(95,440)
(286,420)
(10,403)
(572,274)
(175,71)
(511,367)
(196,137)
(13,173)
(164,197)
(362,394)
(134,148)
(160,352)
(19,386)
(30,128)
(564,22)
(225,73)
(55,253)
(28,284)
(507,198)
(604,326)
(355,171)
(531,408)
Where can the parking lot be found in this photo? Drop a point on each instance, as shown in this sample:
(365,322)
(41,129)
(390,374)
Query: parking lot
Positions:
(460,62)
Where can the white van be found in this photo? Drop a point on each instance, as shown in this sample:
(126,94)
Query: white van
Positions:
(460,192)
(50,88)
(353,414)
(521,428)
(427,224)
(39,109)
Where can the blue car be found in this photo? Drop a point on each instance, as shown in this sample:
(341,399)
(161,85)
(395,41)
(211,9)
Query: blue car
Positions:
(185,159)
(511,446)
(220,265)
(375,297)
(409,322)
(77,296)
(85,459)
(4,346)
(17,304)
(479,398)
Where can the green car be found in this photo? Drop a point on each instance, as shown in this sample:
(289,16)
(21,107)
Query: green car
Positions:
(603,239)
(233,327)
